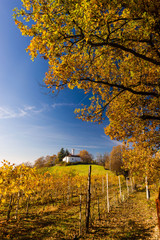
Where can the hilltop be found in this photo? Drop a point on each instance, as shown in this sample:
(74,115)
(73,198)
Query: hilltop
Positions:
(80,169)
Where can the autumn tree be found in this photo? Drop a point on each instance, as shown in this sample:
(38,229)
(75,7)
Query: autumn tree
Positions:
(39,163)
(47,161)
(107,48)
(86,156)
(116,159)
(50,160)
(103,159)
(28,164)
(99,158)
(141,162)
(107,164)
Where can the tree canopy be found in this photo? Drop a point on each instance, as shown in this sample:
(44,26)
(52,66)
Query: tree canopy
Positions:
(116,159)
(47,161)
(86,156)
(109,48)
(141,162)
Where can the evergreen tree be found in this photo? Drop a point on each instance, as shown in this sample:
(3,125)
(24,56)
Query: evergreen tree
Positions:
(67,152)
(61,155)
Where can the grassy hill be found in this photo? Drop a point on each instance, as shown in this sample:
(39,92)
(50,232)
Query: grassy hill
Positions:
(81,169)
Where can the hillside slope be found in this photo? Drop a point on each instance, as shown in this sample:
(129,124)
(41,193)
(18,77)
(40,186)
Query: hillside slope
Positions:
(81,169)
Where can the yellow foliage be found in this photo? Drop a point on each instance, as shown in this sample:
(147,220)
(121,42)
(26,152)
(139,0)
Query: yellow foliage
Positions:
(109,49)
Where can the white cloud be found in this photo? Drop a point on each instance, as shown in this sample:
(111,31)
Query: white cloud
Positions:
(85,146)
(7,113)
(33,109)
(26,110)
(63,105)
(111,142)
(29,108)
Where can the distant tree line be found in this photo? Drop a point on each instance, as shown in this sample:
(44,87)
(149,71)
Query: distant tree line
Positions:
(49,161)
(112,161)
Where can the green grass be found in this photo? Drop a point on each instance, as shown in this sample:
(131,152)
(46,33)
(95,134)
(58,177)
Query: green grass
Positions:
(80,169)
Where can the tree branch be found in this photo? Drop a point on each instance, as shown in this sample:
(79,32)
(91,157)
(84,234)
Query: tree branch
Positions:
(103,108)
(149,117)
(126,49)
(154,94)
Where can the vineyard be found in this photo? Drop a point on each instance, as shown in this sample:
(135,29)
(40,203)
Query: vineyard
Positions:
(62,206)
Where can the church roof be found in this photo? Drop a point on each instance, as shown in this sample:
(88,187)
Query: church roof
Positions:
(71,155)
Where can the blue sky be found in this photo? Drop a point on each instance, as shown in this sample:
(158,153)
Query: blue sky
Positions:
(34,123)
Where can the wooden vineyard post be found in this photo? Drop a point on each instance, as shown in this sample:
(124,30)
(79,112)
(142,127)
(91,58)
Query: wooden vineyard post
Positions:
(27,210)
(120,191)
(102,185)
(68,192)
(107,193)
(99,215)
(131,184)
(88,200)
(127,187)
(147,190)
(158,208)
(134,185)
(9,208)
(80,215)
(17,207)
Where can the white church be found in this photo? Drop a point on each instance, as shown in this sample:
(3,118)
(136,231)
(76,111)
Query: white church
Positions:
(72,158)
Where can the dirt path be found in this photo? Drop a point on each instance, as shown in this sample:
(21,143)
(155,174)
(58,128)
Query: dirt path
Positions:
(134,219)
